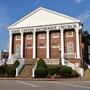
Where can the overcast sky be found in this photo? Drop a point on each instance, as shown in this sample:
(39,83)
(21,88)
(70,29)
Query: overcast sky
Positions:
(13,10)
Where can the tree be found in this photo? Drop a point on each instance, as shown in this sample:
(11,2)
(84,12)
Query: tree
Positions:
(86,41)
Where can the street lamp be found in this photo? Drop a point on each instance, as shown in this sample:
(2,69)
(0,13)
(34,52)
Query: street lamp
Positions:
(60,56)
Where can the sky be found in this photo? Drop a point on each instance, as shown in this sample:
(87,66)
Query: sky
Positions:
(13,10)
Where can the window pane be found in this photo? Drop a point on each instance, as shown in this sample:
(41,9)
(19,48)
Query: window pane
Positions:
(69,34)
(29,36)
(18,37)
(70,47)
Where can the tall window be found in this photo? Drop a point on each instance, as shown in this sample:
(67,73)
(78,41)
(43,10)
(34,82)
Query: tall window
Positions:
(69,33)
(70,47)
(18,49)
(18,37)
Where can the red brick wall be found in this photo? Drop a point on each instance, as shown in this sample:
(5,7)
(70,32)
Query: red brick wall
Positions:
(41,52)
(69,39)
(28,51)
(54,52)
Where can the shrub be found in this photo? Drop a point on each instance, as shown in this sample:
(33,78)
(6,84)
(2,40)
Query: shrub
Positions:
(41,63)
(65,72)
(58,67)
(7,70)
(41,72)
(74,73)
(51,70)
(16,64)
(12,72)
(2,70)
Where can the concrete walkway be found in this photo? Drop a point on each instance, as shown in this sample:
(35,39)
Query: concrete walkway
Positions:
(47,79)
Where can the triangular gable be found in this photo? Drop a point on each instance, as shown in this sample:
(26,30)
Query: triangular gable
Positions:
(42,16)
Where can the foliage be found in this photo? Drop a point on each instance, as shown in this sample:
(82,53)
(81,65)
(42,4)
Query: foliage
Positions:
(7,70)
(41,63)
(40,72)
(74,73)
(12,72)
(86,41)
(16,64)
(2,70)
(51,70)
(65,72)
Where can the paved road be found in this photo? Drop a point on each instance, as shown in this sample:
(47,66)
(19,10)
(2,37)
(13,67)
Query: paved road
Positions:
(44,85)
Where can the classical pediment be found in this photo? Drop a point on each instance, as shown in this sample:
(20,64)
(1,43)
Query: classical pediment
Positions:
(42,16)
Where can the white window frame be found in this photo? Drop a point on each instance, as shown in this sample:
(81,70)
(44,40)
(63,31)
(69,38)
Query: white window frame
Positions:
(18,49)
(72,48)
(41,37)
(18,38)
(29,37)
(55,36)
(68,33)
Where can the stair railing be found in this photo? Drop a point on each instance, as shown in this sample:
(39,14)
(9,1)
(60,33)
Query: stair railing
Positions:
(87,65)
(34,68)
(19,68)
(74,67)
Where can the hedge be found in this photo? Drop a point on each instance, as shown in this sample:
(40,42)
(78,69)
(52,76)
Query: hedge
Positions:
(41,63)
(65,72)
(16,64)
(51,70)
(41,72)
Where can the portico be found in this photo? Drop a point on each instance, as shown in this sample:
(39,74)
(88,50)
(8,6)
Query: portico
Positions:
(48,42)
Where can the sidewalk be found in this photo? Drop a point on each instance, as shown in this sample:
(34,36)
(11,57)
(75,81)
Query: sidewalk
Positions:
(47,79)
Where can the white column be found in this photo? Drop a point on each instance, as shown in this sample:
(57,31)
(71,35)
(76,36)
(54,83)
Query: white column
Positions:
(10,44)
(34,44)
(22,44)
(77,42)
(47,43)
(62,46)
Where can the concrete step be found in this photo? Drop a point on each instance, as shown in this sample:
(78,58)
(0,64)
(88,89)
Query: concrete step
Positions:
(27,70)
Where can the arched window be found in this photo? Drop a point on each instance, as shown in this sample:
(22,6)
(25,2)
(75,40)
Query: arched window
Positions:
(41,45)
(55,45)
(29,45)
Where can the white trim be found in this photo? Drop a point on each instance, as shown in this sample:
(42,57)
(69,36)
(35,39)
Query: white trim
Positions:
(41,47)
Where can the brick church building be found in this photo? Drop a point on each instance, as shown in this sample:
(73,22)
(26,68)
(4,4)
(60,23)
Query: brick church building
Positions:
(47,34)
